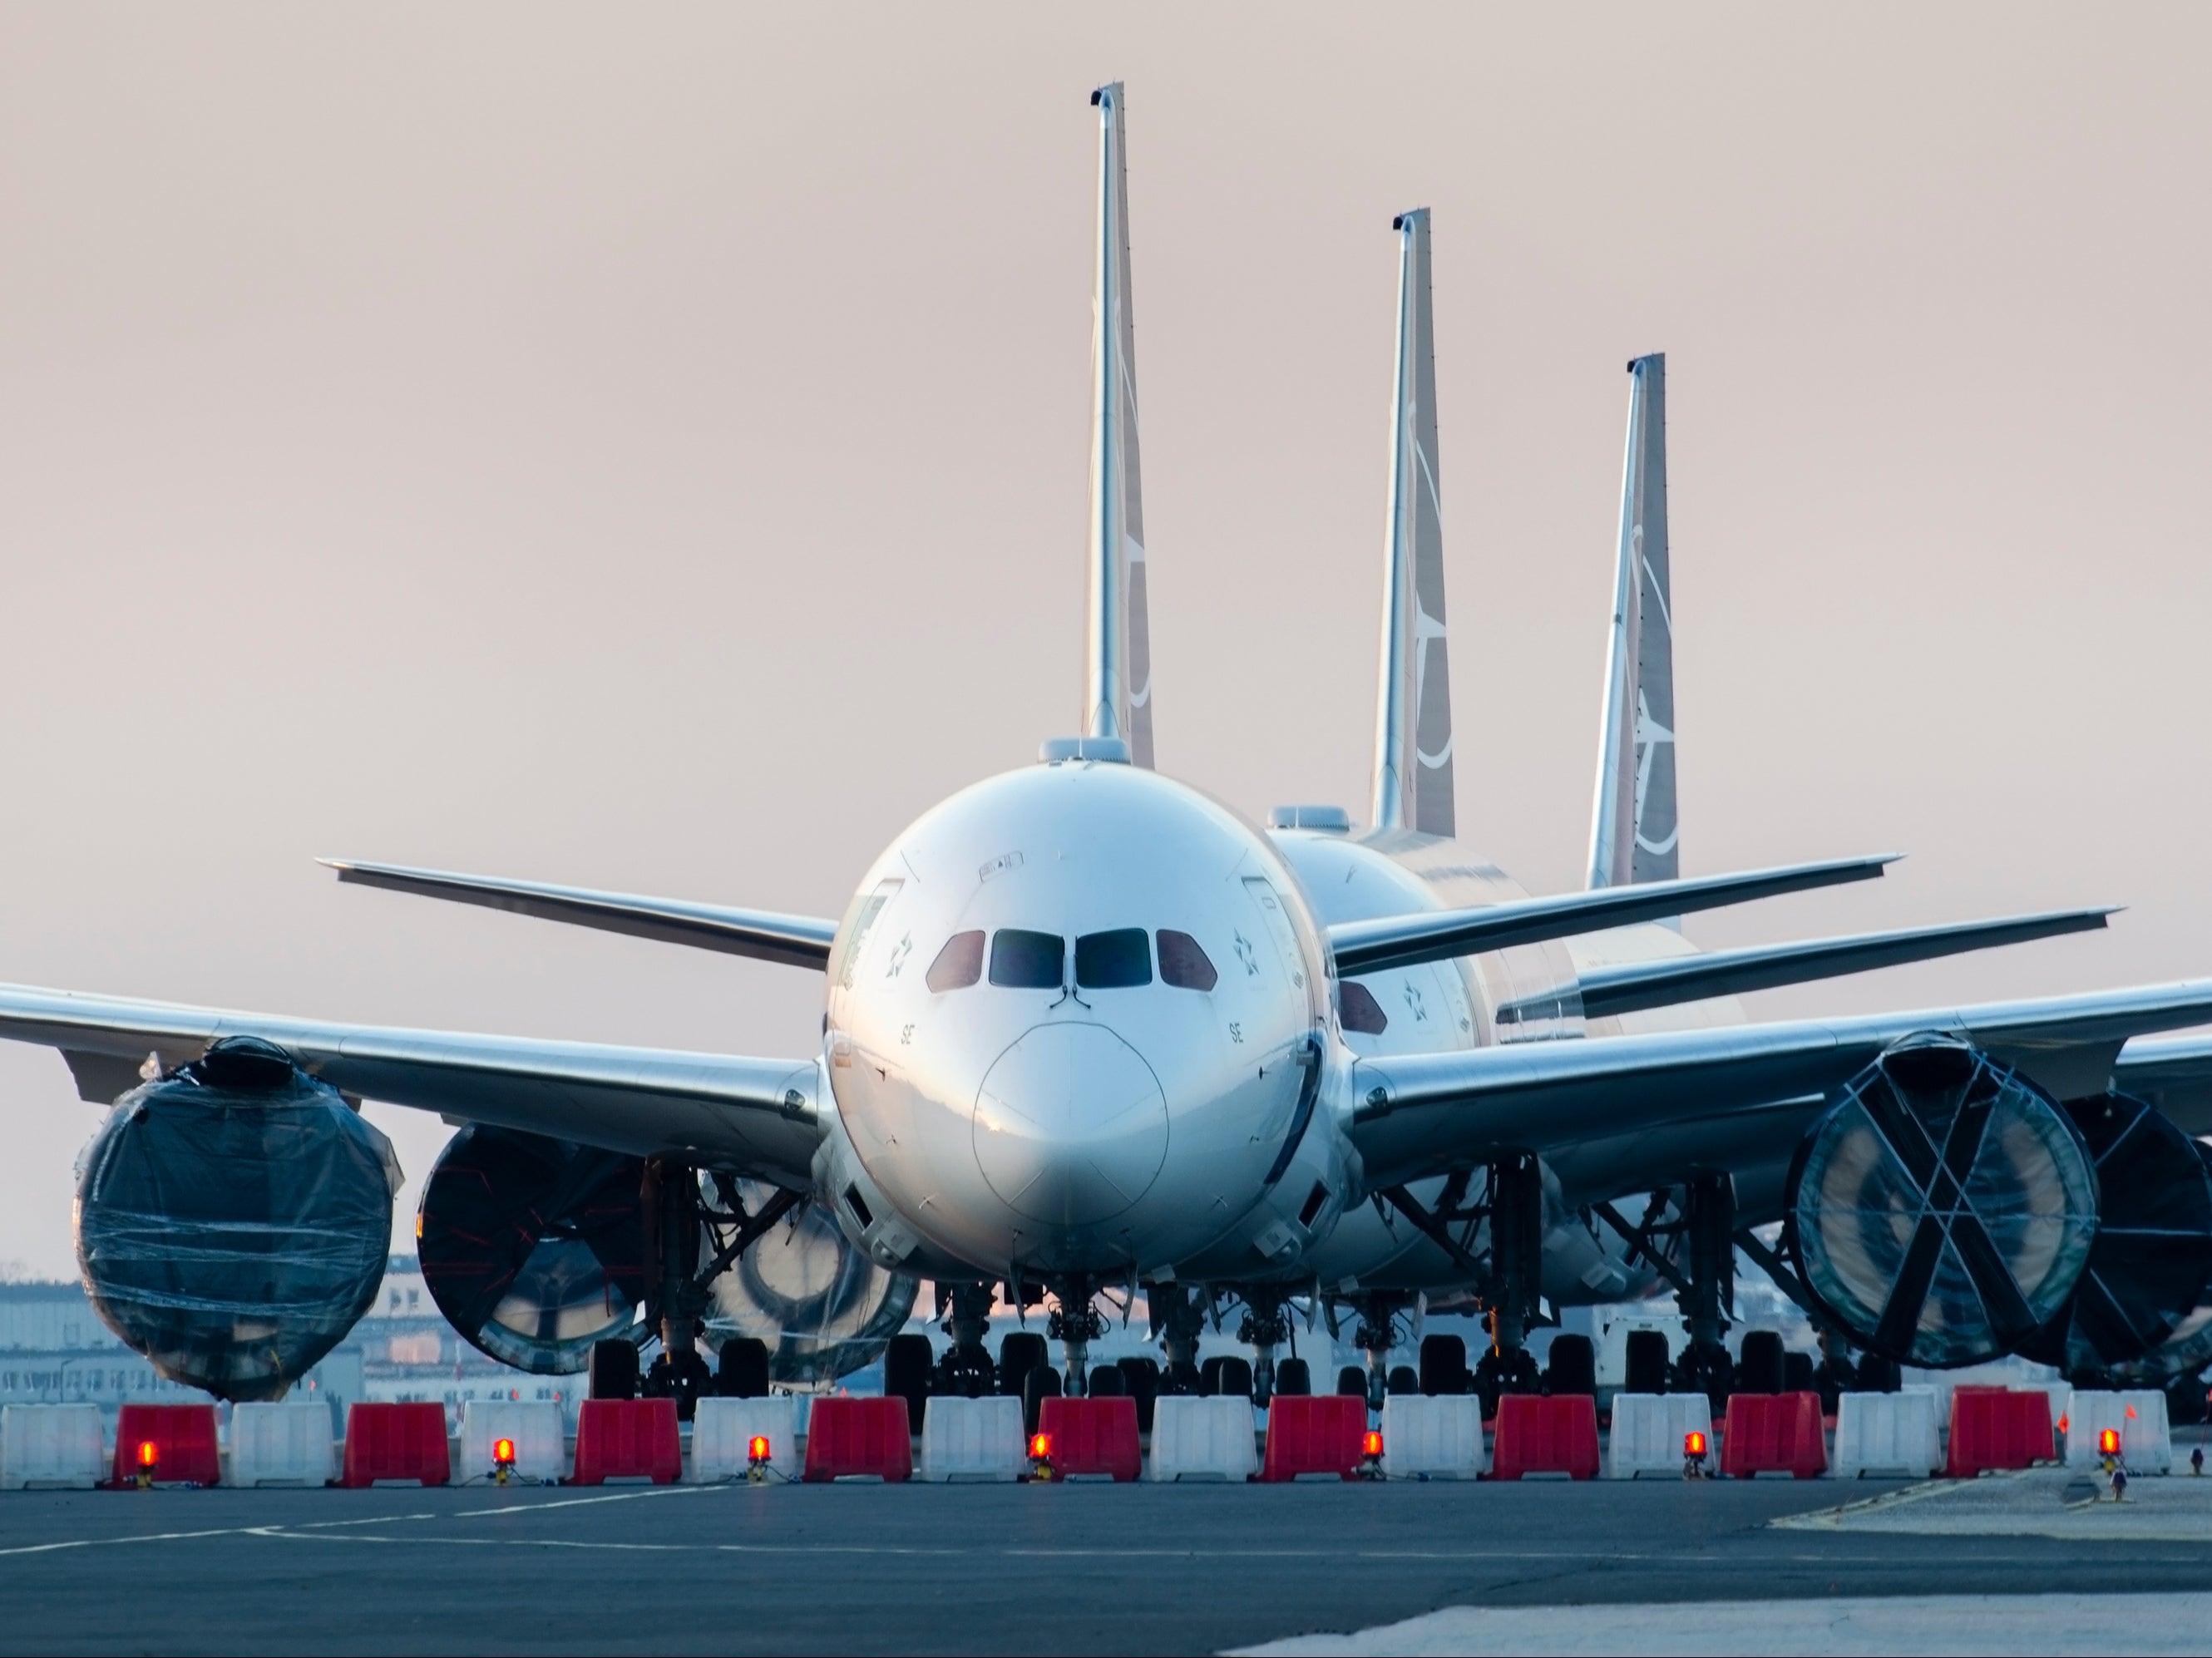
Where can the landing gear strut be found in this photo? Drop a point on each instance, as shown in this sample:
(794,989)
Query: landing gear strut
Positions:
(966,1370)
(1708,1290)
(1264,1329)
(676,1297)
(1075,1324)
(1516,1284)
(1375,1336)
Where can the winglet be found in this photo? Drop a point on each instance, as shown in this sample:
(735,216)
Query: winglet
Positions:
(1118,675)
(1412,716)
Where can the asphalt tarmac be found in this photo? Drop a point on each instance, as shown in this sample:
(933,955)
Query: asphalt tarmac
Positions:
(1075,1568)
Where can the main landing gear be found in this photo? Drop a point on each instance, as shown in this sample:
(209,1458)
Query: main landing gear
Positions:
(1510,1275)
(676,1222)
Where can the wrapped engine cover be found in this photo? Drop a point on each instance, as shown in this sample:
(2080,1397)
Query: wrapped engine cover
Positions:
(234,1218)
(2142,1303)
(533,1247)
(823,1308)
(1943,1210)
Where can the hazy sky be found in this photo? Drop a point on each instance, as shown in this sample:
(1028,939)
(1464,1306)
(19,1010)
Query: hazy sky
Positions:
(644,446)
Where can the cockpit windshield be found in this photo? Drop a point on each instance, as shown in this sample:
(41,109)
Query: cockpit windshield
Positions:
(1119,960)
(1027,961)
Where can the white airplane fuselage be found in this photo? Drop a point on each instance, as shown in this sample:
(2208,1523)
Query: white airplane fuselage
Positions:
(1074,1095)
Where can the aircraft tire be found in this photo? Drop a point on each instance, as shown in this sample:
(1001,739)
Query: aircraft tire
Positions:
(907,1364)
(1039,1385)
(1647,1362)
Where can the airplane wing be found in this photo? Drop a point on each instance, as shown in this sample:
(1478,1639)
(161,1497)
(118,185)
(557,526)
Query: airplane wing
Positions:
(791,940)
(752,1116)
(2174,1073)
(1436,935)
(1631,986)
(1629,1112)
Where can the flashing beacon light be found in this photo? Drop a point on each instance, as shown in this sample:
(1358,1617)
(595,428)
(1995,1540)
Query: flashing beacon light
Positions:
(1370,1456)
(2108,1442)
(1693,1454)
(502,1461)
(149,1459)
(756,1460)
(1041,1457)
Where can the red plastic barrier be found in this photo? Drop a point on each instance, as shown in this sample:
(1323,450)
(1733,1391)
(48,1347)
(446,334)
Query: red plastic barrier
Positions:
(627,1439)
(390,1440)
(1773,1433)
(847,1436)
(1319,1433)
(1546,1436)
(183,1436)
(1993,1428)
(1092,1436)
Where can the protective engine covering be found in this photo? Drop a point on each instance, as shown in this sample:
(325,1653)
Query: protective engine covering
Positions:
(2148,1267)
(1944,1208)
(232,1219)
(823,1308)
(533,1247)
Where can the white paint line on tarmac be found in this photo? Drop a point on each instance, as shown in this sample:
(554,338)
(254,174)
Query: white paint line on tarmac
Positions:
(1936,1625)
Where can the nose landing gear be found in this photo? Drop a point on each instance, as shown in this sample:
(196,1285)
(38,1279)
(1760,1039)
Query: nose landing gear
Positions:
(1075,1324)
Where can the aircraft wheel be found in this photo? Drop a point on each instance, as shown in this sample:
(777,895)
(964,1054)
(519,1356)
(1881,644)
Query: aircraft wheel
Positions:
(1041,1384)
(907,1364)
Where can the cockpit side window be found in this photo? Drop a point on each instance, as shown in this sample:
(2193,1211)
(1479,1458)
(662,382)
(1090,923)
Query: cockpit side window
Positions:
(959,964)
(857,939)
(1183,965)
(1027,961)
(1357,1006)
(1119,960)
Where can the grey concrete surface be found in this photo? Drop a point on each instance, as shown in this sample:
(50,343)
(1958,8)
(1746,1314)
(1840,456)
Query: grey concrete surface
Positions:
(1078,1568)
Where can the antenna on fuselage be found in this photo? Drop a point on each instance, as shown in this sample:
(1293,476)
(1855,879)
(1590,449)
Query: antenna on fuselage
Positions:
(1118,675)
(1412,719)
(1634,831)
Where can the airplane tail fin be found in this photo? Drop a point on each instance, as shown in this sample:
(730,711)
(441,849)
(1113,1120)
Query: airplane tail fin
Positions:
(1414,721)
(1118,682)
(1634,832)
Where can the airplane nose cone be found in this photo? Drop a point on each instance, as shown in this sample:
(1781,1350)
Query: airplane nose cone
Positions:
(1071,1125)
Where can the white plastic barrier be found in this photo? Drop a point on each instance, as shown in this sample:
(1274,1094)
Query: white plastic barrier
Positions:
(1441,1438)
(281,1444)
(973,1439)
(1648,1430)
(540,1437)
(50,1445)
(723,1432)
(2146,1446)
(1887,1433)
(1211,1438)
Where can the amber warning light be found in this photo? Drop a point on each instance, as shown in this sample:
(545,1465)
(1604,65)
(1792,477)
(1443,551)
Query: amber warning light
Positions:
(1041,1457)
(1694,1456)
(756,1460)
(1370,1456)
(2108,1442)
(150,1458)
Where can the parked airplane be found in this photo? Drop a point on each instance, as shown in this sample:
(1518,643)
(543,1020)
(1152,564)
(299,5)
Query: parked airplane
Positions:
(1086,1029)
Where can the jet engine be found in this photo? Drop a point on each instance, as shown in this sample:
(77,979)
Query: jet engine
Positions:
(823,1308)
(232,1219)
(1944,1208)
(535,1249)
(532,1247)
(2149,1268)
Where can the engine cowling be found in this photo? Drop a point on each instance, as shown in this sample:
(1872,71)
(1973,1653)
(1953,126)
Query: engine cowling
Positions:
(234,1218)
(1944,1208)
(533,1247)
(823,1308)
